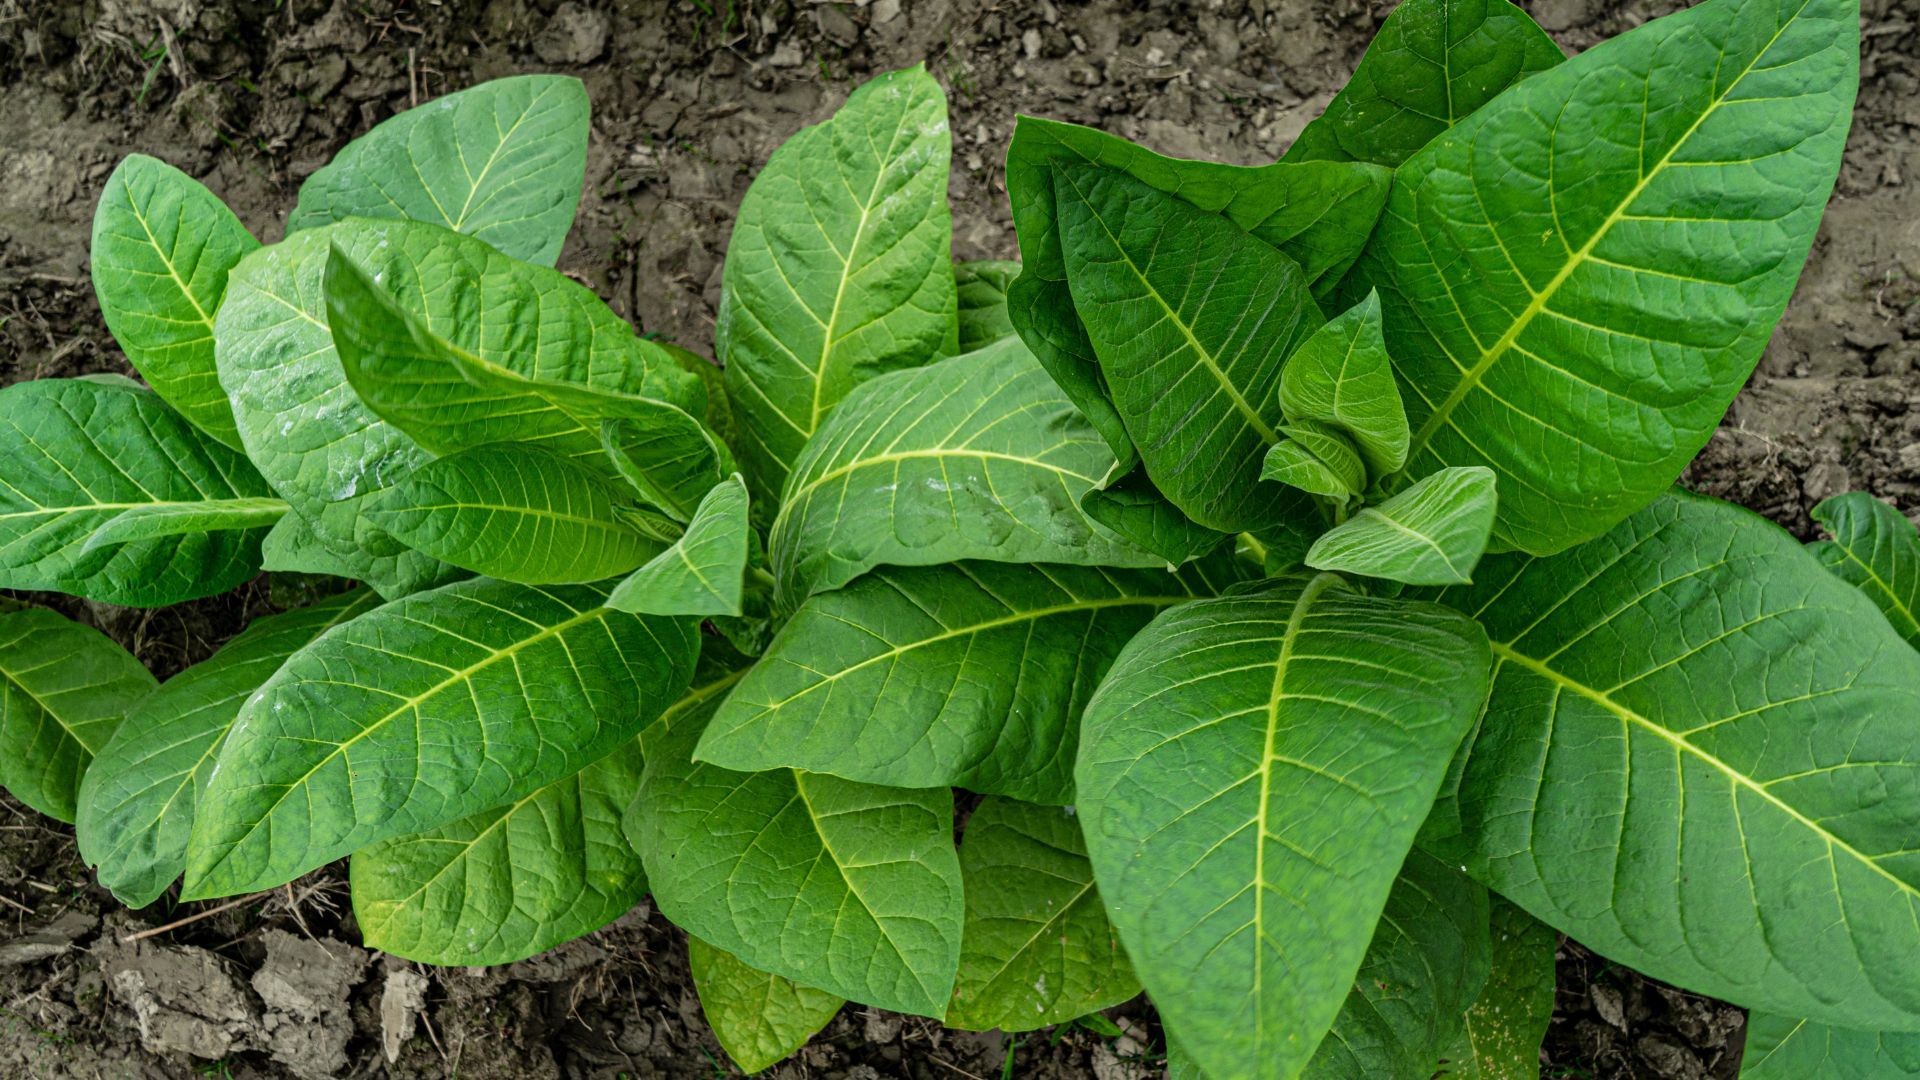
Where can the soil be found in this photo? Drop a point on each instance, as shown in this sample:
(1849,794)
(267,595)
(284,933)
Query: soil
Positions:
(690,97)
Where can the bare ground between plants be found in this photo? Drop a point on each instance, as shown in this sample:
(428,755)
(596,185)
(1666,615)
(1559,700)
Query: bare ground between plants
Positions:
(690,96)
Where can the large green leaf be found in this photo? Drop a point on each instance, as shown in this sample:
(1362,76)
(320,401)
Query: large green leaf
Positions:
(517,513)
(429,709)
(1877,550)
(838,268)
(981,291)
(157,520)
(1506,1025)
(505,883)
(976,457)
(701,573)
(294,545)
(80,453)
(1341,376)
(1191,318)
(1431,65)
(970,674)
(1580,276)
(162,247)
(137,807)
(758,1017)
(502,161)
(851,888)
(1251,775)
(1433,533)
(1037,949)
(1781,1048)
(1702,759)
(64,689)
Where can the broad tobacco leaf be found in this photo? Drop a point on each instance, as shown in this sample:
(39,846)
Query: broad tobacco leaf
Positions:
(293,545)
(64,690)
(156,521)
(1507,1024)
(981,290)
(1433,533)
(701,573)
(839,268)
(1781,1048)
(1702,758)
(502,161)
(1251,776)
(759,1018)
(1579,277)
(162,248)
(1877,550)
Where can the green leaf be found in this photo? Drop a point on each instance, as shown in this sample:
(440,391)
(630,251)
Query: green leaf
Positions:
(137,807)
(976,457)
(1341,376)
(981,291)
(1433,63)
(669,457)
(64,688)
(838,268)
(502,161)
(1135,510)
(1876,550)
(505,883)
(1424,967)
(1290,463)
(1782,1048)
(1577,280)
(516,513)
(970,674)
(79,454)
(1331,446)
(294,546)
(162,247)
(703,572)
(1700,759)
(1251,775)
(434,707)
(759,1018)
(157,520)
(1430,534)
(1192,368)
(847,887)
(1505,1027)
(1038,949)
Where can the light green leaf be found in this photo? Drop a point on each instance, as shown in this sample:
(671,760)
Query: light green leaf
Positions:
(157,520)
(981,289)
(1432,64)
(294,546)
(1430,534)
(970,674)
(1038,949)
(1193,370)
(1876,550)
(1782,1048)
(838,268)
(64,688)
(505,883)
(502,161)
(1251,775)
(1288,462)
(434,707)
(703,572)
(137,807)
(79,454)
(1577,280)
(1505,1027)
(669,457)
(162,247)
(759,1018)
(517,513)
(1135,510)
(976,457)
(1702,759)
(1341,376)
(1331,446)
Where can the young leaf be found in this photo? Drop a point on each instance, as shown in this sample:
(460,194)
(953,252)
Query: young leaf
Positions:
(64,689)
(759,1018)
(1700,758)
(294,546)
(1135,510)
(505,883)
(1331,446)
(838,269)
(981,290)
(669,457)
(158,520)
(976,457)
(1037,949)
(702,572)
(1430,534)
(162,247)
(1288,462)
(1876,550)
(137,807)
(1191,318)
(81,453)
(431,708)
(516,513)
(1341,376)
(1505,1027)
(970,674)
(1251,775)
(1577,280)
(502,161)
(1781,1048)
(1433,63)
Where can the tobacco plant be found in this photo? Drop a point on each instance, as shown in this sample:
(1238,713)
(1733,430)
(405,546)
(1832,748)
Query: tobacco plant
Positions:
(1283,563)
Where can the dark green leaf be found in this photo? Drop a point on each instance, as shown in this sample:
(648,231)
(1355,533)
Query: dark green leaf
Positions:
(294,546)
(1136,511)
(981,289)
(1875,549)
(1430,534)
(702,572)
(759,1018)
(64,689)
(669,457)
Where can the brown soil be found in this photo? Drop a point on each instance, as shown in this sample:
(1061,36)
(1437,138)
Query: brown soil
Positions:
(690,97)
